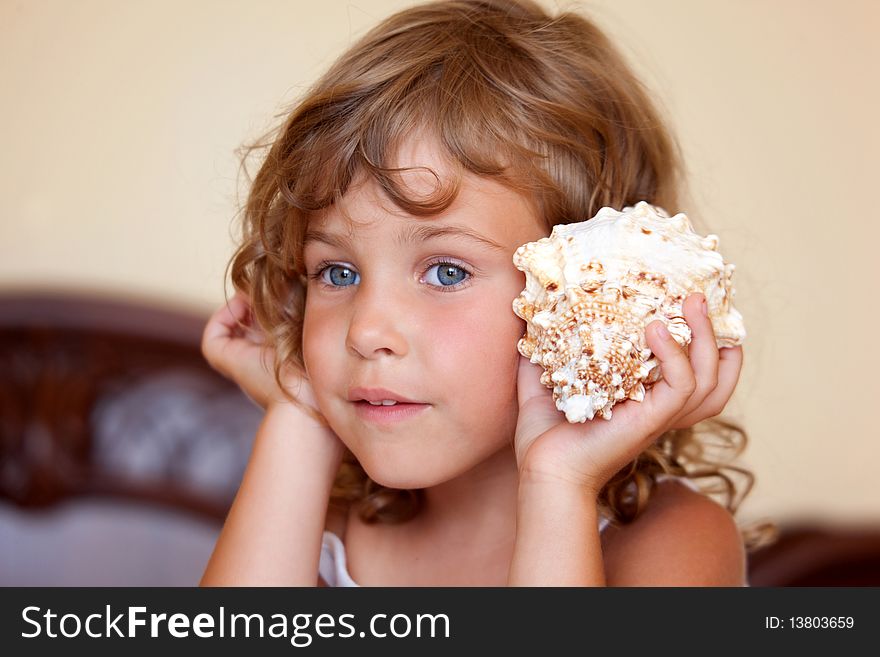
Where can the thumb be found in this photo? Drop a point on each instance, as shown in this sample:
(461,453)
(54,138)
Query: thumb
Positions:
(537,410)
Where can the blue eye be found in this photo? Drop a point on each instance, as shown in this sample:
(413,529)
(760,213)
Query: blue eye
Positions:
(340,275)
(447,275)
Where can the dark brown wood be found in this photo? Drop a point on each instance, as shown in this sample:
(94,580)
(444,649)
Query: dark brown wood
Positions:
(131,316)
(60,356)
(811,554)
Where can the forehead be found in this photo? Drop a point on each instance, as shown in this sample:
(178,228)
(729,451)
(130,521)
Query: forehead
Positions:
(483,207)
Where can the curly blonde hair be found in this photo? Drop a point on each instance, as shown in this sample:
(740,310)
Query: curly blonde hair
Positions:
(543,104)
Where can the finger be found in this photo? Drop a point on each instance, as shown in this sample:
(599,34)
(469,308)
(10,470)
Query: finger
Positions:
(702,352)
(240,311)
(235,311)
(246,322)
(242,320)
(537,410)
(217,325)
(228,320)
(729,368)
(669,395)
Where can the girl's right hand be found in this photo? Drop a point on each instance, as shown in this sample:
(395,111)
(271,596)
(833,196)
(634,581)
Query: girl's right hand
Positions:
(239,354)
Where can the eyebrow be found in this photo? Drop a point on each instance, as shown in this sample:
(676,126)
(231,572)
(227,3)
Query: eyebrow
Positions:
(408,236)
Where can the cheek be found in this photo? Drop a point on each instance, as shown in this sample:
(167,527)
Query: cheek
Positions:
(476,349)
(318,345)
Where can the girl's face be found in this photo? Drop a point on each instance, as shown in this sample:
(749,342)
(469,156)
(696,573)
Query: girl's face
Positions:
(420,307)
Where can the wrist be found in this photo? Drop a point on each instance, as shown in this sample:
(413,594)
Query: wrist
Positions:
(557,535)
(536,483)
(531,478)
(296,427)
(307,415)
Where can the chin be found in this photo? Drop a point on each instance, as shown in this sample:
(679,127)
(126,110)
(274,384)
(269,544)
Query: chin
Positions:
(403,477)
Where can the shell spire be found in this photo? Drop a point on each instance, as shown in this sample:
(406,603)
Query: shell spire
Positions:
(592,288)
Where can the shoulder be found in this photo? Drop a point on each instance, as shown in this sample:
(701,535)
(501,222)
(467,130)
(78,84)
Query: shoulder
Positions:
(682,538)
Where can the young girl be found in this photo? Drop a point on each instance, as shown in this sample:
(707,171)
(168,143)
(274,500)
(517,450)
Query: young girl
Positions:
(405,440)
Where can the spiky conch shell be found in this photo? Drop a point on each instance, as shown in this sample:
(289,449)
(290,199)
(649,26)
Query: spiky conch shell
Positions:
(592,288)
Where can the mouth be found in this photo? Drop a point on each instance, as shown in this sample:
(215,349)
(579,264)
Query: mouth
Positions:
(388,412)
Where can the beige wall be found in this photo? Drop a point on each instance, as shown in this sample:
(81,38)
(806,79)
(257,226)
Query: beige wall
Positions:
(117,173)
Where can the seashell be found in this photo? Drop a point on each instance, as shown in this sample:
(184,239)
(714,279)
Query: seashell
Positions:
(592,288)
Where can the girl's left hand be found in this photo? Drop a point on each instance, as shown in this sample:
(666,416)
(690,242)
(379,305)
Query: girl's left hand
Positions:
(693,387)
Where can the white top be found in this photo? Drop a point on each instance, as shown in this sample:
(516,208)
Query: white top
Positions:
(333,569)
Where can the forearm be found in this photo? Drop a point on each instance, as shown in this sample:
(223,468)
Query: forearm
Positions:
(557,537)
(272,534)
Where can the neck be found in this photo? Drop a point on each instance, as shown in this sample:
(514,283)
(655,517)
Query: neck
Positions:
(479,506)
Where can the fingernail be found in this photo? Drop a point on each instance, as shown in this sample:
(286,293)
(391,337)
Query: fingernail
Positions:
(705,308)
(662,332)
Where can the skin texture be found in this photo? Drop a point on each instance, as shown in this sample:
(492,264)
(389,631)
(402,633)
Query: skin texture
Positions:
(397,328)
(508,482)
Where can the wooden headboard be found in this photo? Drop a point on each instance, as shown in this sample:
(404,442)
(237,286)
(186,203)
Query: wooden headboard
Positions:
(110,397)
(814,554)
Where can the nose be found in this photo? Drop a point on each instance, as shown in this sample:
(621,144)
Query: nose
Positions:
(376,327)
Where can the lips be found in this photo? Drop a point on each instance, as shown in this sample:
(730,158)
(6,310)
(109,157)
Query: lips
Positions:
(388,415)
(384,407)
(379,396)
